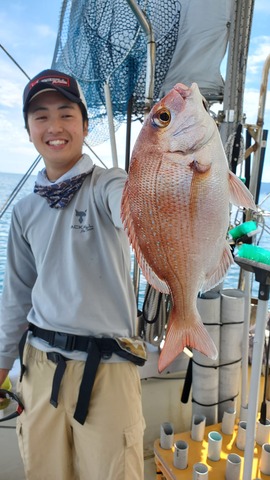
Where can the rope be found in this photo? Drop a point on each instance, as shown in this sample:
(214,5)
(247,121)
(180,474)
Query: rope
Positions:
(217,366)
(231,399)
(235,148)
(154,316)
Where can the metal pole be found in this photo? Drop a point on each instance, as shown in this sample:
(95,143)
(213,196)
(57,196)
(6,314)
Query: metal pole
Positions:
(259,124)
(151,53)
(258,345)
(111,125)
(236,67)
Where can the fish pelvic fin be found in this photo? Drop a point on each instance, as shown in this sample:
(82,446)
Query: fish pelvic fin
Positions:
(239,193)
(217,276)
(194,335)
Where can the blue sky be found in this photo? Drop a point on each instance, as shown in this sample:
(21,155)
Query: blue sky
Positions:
(28,32)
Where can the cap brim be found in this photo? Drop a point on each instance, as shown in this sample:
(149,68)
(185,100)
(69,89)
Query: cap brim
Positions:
(45,87)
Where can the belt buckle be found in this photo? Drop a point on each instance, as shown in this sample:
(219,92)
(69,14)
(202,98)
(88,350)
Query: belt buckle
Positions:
(54,357)
(63,341)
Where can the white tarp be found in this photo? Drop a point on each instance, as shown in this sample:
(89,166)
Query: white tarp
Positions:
(201,46)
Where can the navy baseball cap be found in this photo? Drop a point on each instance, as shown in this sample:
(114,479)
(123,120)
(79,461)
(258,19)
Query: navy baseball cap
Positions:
(48,80)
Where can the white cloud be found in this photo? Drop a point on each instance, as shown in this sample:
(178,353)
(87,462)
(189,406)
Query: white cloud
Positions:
(12,132)
(251,105)
(260,49)
(10,94)
(45,31)
(6,23)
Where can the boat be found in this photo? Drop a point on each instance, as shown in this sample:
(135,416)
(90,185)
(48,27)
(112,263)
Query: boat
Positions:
(161,43)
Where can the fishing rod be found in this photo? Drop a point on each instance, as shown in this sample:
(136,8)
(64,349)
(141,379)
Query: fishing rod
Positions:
(14,61)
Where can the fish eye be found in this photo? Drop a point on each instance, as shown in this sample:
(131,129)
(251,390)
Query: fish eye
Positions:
(162,117)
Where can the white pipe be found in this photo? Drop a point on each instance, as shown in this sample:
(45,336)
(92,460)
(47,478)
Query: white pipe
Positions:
(111,125)
(231,334)
(205,375)
(245,345)
(257,356)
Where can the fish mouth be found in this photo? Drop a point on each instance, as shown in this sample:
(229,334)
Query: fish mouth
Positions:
(183,90)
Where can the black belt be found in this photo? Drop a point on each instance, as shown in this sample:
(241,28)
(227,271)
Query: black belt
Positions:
(96,348)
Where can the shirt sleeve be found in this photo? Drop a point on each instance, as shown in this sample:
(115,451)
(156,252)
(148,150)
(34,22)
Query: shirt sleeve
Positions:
(20,276)
(111,187)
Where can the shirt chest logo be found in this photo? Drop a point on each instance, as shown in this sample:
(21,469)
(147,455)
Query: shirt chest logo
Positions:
(80,216)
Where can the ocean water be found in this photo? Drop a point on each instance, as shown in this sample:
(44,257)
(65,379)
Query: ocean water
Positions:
(9,181)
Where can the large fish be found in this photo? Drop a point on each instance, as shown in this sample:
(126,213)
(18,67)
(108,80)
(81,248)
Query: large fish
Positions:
(175,208)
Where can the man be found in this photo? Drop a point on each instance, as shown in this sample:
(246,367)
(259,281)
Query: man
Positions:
(68,294)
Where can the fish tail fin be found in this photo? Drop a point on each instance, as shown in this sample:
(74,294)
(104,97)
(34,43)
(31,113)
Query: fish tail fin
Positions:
(194,335)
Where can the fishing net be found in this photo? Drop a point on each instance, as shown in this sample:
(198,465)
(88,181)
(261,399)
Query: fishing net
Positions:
(102,41)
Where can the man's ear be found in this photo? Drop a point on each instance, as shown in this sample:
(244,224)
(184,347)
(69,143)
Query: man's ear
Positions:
(28,131)
(85,128)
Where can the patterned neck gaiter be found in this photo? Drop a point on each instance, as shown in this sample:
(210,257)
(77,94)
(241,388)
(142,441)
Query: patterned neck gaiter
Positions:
(60,194)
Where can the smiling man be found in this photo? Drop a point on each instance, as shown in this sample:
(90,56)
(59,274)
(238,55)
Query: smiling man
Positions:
(69,295)
(57,130)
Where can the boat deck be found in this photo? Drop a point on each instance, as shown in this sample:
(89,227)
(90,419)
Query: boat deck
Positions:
(161,402)
(198,453)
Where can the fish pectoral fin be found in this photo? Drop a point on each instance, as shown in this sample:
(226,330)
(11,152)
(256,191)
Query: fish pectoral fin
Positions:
(217,276)
(239,193)
(178,337)
(201,167)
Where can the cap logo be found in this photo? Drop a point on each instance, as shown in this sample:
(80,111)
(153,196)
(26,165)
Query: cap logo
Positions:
(54,80)
(60,81)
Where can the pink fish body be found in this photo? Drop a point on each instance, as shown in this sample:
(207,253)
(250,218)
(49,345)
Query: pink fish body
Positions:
(175,208)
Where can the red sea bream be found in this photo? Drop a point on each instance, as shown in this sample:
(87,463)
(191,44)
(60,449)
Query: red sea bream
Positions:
(175,208)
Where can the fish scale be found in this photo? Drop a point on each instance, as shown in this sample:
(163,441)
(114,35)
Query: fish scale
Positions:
(175,209)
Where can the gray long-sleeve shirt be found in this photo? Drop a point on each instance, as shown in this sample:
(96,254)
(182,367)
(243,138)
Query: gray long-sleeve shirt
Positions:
(68,269)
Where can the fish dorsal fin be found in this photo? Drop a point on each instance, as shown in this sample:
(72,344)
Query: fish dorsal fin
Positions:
(148,272)
(217,276)
(239,194)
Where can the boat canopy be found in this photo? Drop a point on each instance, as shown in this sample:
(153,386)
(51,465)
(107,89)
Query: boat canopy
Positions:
(203,35)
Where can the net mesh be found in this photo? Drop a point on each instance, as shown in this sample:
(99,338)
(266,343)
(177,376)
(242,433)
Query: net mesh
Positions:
(102,41)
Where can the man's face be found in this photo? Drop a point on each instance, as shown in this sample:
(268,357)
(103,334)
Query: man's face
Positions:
(57,131)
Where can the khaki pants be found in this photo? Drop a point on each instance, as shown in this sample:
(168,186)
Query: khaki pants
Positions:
(54,446)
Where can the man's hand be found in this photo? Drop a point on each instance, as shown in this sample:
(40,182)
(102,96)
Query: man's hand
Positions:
(3,375)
